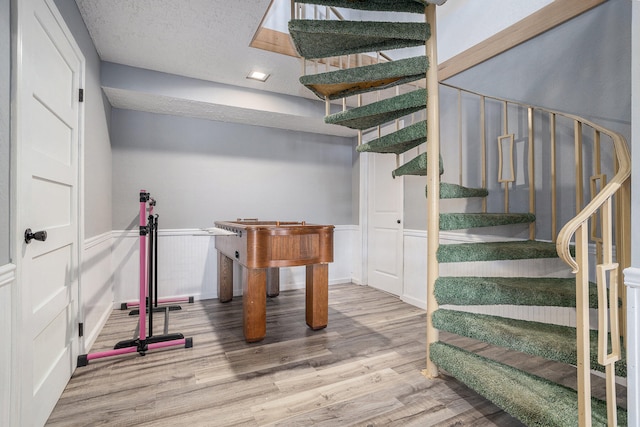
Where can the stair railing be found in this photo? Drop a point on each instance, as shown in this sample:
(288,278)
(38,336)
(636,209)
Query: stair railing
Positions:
(604,220)
(608,272)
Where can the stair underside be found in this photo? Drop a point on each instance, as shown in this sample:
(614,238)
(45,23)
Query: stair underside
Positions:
(553,342)
(533,400)
(354,81)
(415,166)
(459,221)
(492,251)
(397,142)
(455,191)
(410,6)
(324,38)
(533,291)
(380,112)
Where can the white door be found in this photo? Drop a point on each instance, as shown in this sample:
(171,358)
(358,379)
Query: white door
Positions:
(385,231)
(49,72)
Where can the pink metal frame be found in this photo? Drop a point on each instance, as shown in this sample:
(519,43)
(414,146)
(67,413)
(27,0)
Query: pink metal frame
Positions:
(141,345)
(131,304)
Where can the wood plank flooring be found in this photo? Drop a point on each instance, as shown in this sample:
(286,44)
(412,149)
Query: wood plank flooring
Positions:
(362,370)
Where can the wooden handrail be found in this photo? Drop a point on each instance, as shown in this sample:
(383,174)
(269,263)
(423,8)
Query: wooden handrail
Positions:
(624,171)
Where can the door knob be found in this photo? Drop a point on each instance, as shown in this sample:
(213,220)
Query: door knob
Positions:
(398,221)
(38,235)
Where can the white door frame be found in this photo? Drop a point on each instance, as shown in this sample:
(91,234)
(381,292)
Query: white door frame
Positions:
(18,201)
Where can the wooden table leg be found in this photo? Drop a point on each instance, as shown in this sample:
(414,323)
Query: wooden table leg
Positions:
(254,303)
(273,282)
(225,278)
(317,296)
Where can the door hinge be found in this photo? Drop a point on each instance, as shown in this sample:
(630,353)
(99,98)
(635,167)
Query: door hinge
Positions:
(80,329)
(81,95)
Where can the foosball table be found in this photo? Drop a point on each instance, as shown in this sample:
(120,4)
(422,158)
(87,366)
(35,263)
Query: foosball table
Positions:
(261,248)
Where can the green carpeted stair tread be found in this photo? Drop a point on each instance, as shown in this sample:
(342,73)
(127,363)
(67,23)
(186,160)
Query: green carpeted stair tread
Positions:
(380,112)
(459,221)
(533,291)
(553,342)
(397,142)
(409,6)
(415,166)
(354,81)
(324,38)
(533,400)
(455,191)
(493,251)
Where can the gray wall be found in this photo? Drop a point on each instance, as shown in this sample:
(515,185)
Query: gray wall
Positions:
(97,148)
(635,155)
(200,171)
(582,67)
(5,79)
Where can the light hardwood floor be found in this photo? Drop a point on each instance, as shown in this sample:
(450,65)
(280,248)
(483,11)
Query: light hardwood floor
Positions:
(363,369)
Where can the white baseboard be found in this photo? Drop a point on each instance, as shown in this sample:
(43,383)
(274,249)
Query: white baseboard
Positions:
(92,336)
(414,301)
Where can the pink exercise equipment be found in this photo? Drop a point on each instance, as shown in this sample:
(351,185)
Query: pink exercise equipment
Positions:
(144,343)
(153,274)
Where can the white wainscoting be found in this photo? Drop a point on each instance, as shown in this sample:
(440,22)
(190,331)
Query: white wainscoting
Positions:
(187,264)
(415,268)
(7,283)
(632,282)
(356,254)
(97,286)
(415,278)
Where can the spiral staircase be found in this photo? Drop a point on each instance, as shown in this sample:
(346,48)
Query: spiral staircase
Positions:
(527,397)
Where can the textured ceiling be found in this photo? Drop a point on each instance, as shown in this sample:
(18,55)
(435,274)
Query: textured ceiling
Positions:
(202,39)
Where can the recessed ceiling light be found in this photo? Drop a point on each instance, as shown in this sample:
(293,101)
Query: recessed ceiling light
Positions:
(258,75)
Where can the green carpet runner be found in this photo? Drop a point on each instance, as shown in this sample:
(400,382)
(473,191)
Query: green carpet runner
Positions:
(410,6)
(378,113)
(322,38)
(354,81)
(534,291)
(455,191)
(397,142)
(553,342)
(533,400)
(459,221)
(493,251)
(415,166)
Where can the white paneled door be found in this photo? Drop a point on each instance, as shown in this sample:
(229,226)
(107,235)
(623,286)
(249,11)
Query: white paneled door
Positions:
(385,207)
(48,122)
